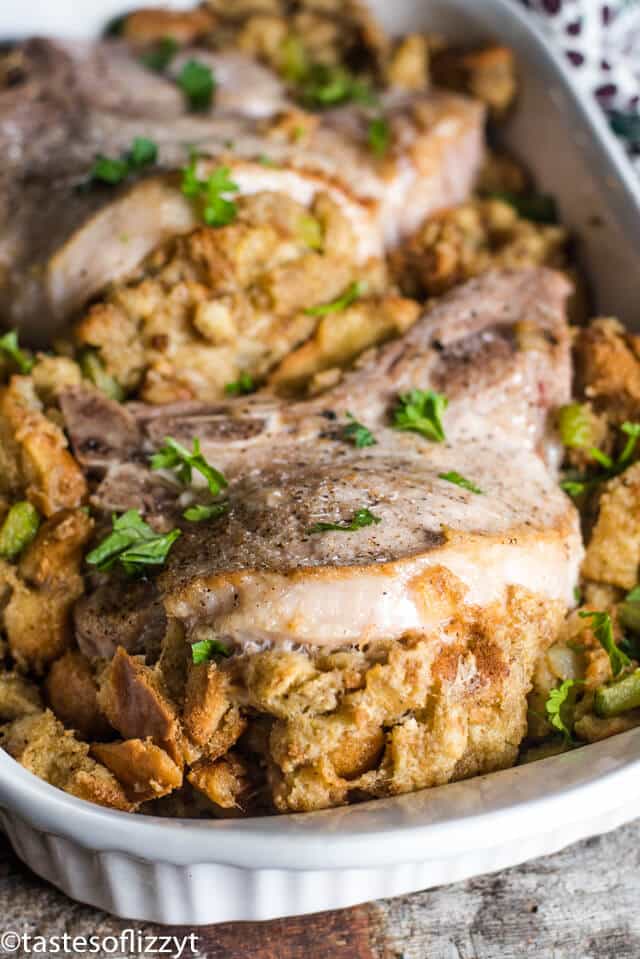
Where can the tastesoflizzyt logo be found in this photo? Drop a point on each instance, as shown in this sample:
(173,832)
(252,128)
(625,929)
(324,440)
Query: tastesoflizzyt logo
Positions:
(125,943)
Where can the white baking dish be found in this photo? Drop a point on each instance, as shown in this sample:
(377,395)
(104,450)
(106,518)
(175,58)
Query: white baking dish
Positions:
(189,872)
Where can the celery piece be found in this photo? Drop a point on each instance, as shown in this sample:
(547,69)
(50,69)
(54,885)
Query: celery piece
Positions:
(18,529)
(618,697)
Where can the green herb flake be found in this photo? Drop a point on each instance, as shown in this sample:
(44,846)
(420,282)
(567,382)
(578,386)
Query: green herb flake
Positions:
(361,518)
(353,292)
(559,707)
(196,514)
(211,195)
(159,58)
(18,529)
(632,430)
(603,631)
(207,650)
(10,347)
(357,433)
(241,387)
(379,136)
(113,170)
(324,85)
(133,544)
(576,484)
(197,82)
(174,456)
(421,411)
(453,477)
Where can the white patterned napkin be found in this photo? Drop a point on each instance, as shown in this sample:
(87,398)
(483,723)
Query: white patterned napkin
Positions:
(602,43)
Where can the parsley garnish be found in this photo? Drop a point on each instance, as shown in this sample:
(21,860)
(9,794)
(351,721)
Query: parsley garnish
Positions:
(361,518)
(358,433)
(559,707)
(324,85)
(603,631)
(353,292)
(459,480)
(196,514)
(206,650)
(576,484)
(133,544)
(174,456)
(113,170)
(161,55)
(9,345)
(378,136)
(240,387)
(421,411)
(198,84)
(216,209)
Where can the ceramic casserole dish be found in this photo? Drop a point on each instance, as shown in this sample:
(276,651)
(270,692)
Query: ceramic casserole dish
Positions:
(189,872)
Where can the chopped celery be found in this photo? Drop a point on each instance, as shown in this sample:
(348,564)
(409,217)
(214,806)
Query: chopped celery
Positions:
(618,697)
(18,529)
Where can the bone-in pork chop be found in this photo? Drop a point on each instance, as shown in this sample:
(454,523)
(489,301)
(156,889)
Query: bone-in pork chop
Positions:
(63,240)
(498,347)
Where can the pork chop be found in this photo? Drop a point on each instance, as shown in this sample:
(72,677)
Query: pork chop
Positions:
(498,347)
(63,240)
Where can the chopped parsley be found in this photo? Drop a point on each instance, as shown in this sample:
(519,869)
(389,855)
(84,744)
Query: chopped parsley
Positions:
(421,411)
(559,707)
(206,650)
(379,136)
(133,544)
(603,631)
(361,518)
(174,456)
(323,85)
(10,347)
(197,82)
(353,292)
(161,55)
(453,477)
(575,484)
(209,194)
(196,514)
(241,387)
(113,170)
(357,433)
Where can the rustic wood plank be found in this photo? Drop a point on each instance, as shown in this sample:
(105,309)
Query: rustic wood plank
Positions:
(578,904)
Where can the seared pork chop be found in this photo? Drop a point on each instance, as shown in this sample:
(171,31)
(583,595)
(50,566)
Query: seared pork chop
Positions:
(62,241)
(498,347)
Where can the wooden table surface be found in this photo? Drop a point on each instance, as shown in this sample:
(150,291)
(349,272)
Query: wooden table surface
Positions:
(583,903)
